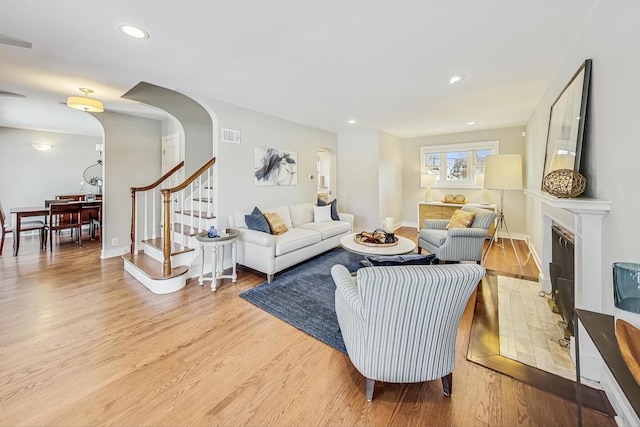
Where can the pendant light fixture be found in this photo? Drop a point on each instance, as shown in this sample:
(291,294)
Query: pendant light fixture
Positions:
(84,103)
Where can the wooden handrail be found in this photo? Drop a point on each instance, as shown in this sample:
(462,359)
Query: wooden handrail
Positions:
(166,202)
(134,190)
(193,177)
(159,180)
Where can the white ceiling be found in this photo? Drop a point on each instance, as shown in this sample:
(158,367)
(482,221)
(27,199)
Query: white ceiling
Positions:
(383,63)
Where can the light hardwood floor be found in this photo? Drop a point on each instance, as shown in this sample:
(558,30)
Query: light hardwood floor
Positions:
(83,343)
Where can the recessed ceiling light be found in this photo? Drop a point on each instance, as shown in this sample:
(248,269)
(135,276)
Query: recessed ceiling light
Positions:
(471,123)
(42,147)
(455,79)
(351,121)
(134,32)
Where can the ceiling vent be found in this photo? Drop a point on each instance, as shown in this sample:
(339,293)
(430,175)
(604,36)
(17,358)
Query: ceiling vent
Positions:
(231,135)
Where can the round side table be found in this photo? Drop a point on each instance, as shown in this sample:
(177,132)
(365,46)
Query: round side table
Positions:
(214,242)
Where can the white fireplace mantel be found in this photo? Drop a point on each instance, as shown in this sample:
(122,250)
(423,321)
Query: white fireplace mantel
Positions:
(583,217)
(586,224)
(578,205)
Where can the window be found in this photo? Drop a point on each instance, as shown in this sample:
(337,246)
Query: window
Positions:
(456,165)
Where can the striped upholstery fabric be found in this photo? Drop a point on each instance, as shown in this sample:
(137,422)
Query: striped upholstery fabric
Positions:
(399,323)
(461,244)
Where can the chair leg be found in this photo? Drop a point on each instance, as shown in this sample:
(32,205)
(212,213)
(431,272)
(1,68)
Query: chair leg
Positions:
(369,389)
(419,250)
(2,242)
(447,384)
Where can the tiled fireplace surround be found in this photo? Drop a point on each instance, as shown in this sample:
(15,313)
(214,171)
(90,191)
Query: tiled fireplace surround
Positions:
(582,217)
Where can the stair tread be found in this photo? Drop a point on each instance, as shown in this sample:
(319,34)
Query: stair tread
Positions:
(175,248)
(185,229)
(203,199)
(153,268)
(198,214)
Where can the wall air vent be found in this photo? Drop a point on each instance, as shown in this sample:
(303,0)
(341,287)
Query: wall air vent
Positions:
(231,135)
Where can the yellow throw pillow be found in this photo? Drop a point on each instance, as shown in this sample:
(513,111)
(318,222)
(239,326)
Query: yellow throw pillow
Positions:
(275,223)
(461,219)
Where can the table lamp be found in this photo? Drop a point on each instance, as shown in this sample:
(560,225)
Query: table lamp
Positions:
(485,194)
(427,180)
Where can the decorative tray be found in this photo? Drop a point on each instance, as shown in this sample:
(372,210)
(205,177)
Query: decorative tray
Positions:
(458,198)
(368,241)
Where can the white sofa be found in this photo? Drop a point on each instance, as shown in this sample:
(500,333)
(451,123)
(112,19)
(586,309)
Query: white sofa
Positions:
(304,238)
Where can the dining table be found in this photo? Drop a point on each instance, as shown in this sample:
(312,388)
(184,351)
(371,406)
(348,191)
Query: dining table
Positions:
(25,212)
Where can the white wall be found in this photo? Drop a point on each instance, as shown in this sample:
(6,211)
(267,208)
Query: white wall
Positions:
(325,169)
(28,177)
(235,162)
(358,170)
(132,153)
(390,178)
(610,39)
(511,142)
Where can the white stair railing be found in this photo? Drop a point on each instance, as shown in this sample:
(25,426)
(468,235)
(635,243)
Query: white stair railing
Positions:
(149,200)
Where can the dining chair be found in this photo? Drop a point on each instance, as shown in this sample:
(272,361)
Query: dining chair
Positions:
(92,216)
(58,214)
(24,226)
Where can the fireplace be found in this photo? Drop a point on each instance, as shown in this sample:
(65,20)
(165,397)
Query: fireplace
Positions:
(581,218)
(562,275)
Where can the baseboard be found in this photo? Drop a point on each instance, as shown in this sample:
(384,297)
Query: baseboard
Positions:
(534,255)
(114,252)
(626,415)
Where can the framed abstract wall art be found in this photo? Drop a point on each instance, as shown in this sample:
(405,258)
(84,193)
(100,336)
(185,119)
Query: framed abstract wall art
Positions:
(275,167)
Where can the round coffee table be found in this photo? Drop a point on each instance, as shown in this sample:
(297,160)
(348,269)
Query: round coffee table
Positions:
(404,246)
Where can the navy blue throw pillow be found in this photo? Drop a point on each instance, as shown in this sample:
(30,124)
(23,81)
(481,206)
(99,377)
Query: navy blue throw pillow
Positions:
(334,208)
(411,259)
(257,221)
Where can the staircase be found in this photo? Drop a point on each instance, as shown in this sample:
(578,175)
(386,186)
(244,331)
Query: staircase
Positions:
(162,258)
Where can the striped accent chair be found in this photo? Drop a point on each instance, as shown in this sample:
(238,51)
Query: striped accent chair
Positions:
(456,244)
(399,323)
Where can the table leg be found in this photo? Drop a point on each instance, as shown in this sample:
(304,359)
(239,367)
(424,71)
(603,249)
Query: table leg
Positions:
(214,267)
(201,278)
(234,276)
(16,235)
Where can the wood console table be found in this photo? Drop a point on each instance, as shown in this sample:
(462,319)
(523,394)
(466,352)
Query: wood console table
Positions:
(601,330)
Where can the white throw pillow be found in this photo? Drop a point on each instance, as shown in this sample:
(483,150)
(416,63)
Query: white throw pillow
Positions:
(322,213)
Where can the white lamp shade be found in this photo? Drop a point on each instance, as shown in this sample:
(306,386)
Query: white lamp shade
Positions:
(427,180)
(503,172)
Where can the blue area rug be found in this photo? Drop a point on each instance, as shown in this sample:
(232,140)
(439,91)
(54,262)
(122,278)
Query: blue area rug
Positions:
(304,296)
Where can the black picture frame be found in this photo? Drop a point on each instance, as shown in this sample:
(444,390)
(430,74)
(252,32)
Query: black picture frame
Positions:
(567,123)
